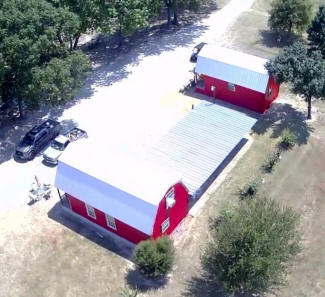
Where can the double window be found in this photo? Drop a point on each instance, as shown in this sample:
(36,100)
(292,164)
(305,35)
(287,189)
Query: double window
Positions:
(110,221)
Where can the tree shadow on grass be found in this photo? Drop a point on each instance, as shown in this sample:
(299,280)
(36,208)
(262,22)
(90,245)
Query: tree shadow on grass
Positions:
(137,281)
(273,39)
(282,116)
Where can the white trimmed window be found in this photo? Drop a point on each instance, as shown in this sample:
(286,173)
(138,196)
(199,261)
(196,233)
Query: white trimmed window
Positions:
(91,211)
(165,225)
(170,198)
(231,87)
(110,222)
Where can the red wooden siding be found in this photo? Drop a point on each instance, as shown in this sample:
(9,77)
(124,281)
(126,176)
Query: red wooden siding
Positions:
(122,229)
(272,92)
(242,96)
(176,214)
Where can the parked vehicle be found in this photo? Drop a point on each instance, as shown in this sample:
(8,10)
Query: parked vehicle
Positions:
(36,139)
(196,51)
(53,152)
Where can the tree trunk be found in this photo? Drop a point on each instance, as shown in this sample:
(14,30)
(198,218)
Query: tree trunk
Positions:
(75,44)
(290,28)
(309,108)
(20,109)
(59,38)
(120,37)
(175,8)
(168,15)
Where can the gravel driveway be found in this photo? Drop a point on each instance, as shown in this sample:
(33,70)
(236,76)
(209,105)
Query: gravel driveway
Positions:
(123,93)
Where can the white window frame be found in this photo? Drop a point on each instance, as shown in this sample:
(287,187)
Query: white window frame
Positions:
(231,87)
(90,209)
(170,195)
(110,221)
(165,225)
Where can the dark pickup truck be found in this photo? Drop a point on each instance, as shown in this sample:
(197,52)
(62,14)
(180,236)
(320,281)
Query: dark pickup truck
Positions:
(36,139)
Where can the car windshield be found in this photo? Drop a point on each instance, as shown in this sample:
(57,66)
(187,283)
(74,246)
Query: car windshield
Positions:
(28,139)
(57,145)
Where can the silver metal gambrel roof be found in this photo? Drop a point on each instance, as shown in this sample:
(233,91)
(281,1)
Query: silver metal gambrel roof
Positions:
(200,142)
(232,66)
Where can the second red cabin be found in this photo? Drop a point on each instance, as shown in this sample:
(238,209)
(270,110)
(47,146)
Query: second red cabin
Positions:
(235,77)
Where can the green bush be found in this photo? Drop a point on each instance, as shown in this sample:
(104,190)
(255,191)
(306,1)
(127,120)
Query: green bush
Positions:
(288,139)
(154,258)
(253,246)
(271,160)
(250,188)
(128,292)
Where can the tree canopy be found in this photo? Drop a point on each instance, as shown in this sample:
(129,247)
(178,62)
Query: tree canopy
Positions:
(316,31)
(253,245)
(303,69)
(290,15)
(33,36)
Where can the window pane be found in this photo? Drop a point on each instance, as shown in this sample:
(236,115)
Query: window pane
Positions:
(165,225)
(91,211)
(110,222)
(231,87)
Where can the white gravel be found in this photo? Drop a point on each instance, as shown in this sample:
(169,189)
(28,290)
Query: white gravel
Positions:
(125,96)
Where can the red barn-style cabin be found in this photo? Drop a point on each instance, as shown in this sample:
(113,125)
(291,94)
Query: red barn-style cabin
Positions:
(235,77)
(133,202)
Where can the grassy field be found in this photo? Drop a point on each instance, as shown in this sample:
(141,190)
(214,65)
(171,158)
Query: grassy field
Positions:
(251,34)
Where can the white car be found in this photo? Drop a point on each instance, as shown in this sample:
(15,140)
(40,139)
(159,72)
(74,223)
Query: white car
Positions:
(54,151)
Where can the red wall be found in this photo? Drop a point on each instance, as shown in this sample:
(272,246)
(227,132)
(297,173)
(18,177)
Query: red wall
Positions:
(244,97)
(176,214)
(122,229)
(271,96)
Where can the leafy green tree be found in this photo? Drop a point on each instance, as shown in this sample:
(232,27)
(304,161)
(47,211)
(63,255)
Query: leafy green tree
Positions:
(253,246)
(58,81)
(303,69)
(154,258)
(316,31)
(92,15)
(131,15)
(32,34)
(290,15)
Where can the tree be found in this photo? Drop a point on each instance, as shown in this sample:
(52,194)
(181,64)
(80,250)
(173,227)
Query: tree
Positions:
(253,246)
(316,31)
(131,15)
(58,81)
(32,34)
(173,6)
(303,69)
(92,15)
(290,15)
(154,258)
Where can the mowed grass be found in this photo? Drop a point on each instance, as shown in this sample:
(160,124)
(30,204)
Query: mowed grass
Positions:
(250,33)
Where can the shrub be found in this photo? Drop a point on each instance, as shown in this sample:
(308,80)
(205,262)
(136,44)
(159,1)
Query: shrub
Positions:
(128,292)
(253,246)
(288,139)
(154,258)
(250,188)
(271,160)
